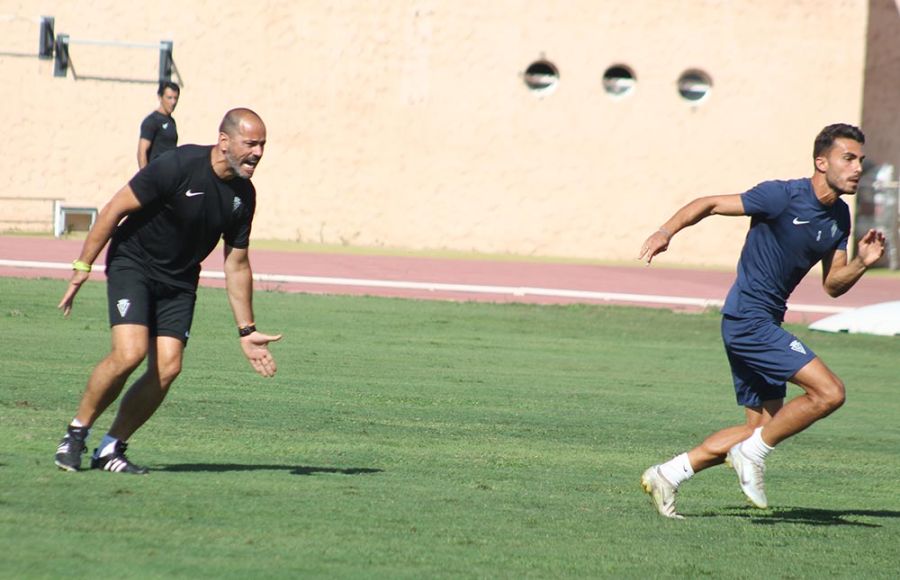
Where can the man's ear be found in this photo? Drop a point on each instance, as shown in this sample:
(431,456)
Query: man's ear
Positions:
(821,163)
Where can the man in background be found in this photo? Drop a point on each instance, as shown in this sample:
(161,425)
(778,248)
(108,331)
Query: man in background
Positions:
(158,131)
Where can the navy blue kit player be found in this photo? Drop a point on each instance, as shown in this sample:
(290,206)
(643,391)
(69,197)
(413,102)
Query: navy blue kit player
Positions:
(794,225)
(160,227)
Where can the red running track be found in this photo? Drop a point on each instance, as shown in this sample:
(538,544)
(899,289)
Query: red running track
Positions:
(473,279)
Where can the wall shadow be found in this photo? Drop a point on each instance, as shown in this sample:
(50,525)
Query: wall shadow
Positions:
(19,54)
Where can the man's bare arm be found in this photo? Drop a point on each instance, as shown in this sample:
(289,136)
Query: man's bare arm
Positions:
(839,275)
(690,214)
(122,203)
(239,285)
(142,152)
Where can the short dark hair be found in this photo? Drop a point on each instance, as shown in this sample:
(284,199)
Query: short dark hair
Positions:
(163,85)
(826,137)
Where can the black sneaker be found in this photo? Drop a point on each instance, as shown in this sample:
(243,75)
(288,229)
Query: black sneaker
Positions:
(71,448)
(116,461)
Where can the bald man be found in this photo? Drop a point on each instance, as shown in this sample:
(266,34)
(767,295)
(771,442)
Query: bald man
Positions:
(161,226)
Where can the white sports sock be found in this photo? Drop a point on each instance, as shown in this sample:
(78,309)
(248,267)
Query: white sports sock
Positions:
(107,445)
(755,448)
(677,470)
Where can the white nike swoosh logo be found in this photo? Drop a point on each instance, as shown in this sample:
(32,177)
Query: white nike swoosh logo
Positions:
(190,193)
(799,222)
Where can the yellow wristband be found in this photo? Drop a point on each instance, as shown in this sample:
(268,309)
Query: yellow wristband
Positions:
(81,266)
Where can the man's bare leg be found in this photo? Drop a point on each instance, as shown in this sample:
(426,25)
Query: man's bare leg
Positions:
(129,347)
(661,481)
(824,394)
(147,393)
(141,400)
(714,448)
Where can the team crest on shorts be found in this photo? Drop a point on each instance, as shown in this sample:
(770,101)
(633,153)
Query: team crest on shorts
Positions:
(123,305)
(797,346)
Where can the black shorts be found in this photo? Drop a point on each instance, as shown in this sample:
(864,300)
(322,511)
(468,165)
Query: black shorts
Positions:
(134,298)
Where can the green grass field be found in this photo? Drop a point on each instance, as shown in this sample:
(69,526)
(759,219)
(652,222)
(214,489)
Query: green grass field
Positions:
(407,439)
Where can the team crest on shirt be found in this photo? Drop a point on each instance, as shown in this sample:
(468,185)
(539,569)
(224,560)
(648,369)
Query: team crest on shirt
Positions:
(123,305)
(237,204)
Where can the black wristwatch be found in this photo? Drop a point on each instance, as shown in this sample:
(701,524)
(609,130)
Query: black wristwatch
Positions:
(246,330)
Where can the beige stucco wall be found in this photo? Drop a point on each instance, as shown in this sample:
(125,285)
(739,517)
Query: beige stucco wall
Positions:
(405,123)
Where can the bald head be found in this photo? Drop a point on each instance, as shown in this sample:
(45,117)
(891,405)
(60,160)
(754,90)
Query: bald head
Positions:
(242,139)
(231,123)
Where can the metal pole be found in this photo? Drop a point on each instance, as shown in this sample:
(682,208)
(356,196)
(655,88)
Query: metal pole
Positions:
(45,40)
(117,43)
(61,62)
(165,60)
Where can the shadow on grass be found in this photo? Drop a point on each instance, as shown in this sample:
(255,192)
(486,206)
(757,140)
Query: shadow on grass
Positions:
(803,515)
(294,469)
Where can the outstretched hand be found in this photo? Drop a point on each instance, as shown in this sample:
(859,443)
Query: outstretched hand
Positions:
(78,278)
(256,349)
(870,247)
(657,243)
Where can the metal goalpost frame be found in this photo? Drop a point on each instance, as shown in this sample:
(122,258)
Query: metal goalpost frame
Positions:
(63,62)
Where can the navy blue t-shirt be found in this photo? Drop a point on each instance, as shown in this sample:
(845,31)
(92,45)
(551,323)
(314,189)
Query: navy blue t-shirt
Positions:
(185,210)
(790,231)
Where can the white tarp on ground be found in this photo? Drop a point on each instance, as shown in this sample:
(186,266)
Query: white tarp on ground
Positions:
(883,319)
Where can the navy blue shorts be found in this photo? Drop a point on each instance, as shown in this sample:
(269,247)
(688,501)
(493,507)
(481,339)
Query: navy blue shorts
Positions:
(134,298)
(763,357)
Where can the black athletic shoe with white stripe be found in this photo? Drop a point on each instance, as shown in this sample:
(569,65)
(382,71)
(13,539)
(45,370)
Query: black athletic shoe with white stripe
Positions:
(116,461)
(71,448)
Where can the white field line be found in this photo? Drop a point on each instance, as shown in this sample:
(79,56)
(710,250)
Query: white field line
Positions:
(517,291)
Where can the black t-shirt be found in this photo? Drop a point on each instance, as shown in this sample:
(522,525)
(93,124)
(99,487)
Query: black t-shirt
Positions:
(162,133)
(185,210)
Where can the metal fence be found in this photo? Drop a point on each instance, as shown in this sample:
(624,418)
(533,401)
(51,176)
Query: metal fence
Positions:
(877,207)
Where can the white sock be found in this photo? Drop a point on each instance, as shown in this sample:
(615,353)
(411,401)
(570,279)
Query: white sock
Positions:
(677,470)
(79,426)
(107,445)
(755,448)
